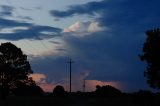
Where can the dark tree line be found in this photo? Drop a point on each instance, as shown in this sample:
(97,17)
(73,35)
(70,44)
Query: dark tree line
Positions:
(101,91)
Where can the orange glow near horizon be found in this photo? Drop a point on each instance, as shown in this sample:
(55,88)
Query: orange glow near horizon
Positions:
(77,84)
(90,86)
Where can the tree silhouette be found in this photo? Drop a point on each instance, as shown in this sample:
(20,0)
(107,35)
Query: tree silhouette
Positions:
(151,55)
(107,91)
(14,67)
(59,91)
(143,96)
(27,89)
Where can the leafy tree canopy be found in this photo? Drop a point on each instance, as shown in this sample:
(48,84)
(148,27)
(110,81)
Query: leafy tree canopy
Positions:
(59,91)
(151,55)
(14,67)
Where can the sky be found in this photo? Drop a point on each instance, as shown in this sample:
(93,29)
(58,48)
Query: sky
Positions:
(103,38)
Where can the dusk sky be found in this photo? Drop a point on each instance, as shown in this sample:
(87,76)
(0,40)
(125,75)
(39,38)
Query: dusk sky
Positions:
(103,37)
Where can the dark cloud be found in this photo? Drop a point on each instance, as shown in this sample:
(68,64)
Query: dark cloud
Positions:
(6,23)
(55,68)
(89,8)
(6,10)
(120,7)
(107,59)
(113,55)
(25,17)
(119,14)
(31,32)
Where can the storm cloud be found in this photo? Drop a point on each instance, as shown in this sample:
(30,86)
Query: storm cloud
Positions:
(113,55)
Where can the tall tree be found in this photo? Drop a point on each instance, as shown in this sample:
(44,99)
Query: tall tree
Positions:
(151,55)
(14,67)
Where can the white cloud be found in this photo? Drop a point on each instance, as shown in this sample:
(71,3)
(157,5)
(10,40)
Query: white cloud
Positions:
(78,27)
(84,28)
(12,30)
(95,27)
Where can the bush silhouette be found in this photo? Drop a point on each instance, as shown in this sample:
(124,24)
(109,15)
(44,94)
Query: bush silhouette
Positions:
(107,91)
(59,91)
(27,90)
(143,96)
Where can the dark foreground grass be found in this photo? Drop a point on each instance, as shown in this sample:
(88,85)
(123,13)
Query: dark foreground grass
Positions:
(77,101)
(33,101)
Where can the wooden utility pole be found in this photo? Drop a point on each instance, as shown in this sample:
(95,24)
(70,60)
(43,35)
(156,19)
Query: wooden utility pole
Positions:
(84,85)
(70,72)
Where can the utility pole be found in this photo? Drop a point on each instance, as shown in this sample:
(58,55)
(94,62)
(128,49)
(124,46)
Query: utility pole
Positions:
(84,85)
(70,72)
